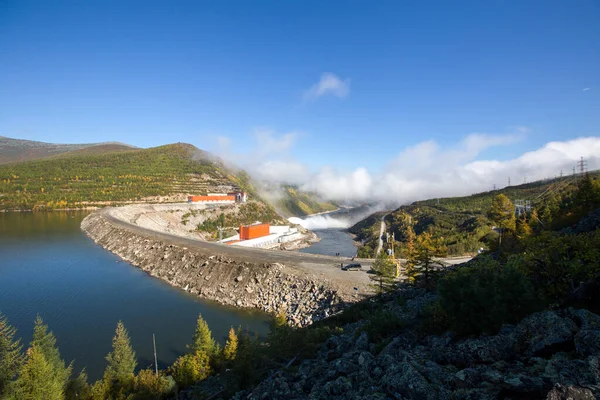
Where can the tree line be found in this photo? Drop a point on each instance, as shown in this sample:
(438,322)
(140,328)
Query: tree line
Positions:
(41,373)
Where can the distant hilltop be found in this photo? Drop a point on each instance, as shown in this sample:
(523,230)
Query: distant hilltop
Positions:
(18,150)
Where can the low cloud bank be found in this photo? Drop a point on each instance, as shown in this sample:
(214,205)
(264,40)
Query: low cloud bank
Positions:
(426,170)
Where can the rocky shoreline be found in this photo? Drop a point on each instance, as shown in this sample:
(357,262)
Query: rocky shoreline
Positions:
(269,287)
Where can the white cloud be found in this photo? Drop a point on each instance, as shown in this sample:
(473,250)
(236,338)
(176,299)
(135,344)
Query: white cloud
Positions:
(426,171)
(268,143)
(329,84)
(586,89)
(422,171)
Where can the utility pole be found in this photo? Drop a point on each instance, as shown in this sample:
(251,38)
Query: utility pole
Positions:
(155,362)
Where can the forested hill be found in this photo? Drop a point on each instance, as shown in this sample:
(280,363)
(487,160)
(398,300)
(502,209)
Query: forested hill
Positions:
(107,174)
(17,150)
(461,223)
(86,179)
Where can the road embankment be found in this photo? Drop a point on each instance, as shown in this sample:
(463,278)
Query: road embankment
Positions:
(306,288)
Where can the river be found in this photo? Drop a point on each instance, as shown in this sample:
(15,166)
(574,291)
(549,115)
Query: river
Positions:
(49,266)
(331,230)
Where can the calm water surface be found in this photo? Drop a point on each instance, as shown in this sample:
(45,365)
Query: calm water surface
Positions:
(49,266)
(332,241)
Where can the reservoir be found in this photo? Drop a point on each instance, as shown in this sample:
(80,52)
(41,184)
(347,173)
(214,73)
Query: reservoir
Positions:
(49,266)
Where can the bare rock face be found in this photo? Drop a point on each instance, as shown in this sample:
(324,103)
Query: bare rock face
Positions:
(265,286)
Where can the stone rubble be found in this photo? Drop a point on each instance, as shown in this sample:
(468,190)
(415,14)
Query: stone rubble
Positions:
(548,355)
(268,287)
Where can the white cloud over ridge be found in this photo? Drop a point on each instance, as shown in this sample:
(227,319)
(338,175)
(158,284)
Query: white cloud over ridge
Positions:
(425,170)
(329,84)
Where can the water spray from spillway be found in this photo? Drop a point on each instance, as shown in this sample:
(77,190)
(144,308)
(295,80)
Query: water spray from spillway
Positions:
(321,222)
(341,219)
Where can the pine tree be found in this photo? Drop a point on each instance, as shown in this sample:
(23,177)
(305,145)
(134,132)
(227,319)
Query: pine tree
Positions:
(502,213)
(10,354)
(202,340)
(534,221)
(385,273)
(45,341)
(37,378)
(121,361)
(230,349)
(421,262)
(523,228)
(78,388)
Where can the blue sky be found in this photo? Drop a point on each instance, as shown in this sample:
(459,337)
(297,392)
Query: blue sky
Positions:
(149,73)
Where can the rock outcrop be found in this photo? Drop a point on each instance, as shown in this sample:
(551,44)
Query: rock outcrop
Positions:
(551,354)
(270,287)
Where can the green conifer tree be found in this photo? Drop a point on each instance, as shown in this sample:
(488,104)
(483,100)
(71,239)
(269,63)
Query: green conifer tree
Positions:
(202,340)
(385,273)
(121,360)
(421,262)
(78,388)
(37,379)
(502,213)
(45,341)
(230,349)
(10,354)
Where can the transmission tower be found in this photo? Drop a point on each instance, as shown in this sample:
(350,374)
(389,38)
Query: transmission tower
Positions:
(522,207)
(494,186)
(509,181)
(582,166)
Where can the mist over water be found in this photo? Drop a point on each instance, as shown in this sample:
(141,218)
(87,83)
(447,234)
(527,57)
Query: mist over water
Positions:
(343,218)
(321,222)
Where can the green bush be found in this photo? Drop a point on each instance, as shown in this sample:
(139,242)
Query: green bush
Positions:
(557,263)
(382,325)
(433,319)
(480,298)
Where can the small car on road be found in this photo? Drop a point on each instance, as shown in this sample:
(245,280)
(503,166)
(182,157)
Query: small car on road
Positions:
(349,267)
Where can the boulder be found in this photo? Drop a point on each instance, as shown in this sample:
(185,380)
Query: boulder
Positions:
(545,333)
(587,342)
(560,392)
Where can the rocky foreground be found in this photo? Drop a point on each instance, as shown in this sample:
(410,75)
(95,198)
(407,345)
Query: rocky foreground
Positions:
(551,354)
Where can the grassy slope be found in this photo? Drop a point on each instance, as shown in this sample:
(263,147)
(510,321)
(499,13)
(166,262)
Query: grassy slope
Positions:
(69,181)
(113,173)
(460,221)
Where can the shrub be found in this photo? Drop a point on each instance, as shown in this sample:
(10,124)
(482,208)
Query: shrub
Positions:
(480,298)
(148,385)
(191,368)
(433,319)
(557,263)
(381,325)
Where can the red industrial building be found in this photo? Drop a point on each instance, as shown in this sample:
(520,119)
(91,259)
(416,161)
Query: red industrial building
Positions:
(254,231)
(237,197)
